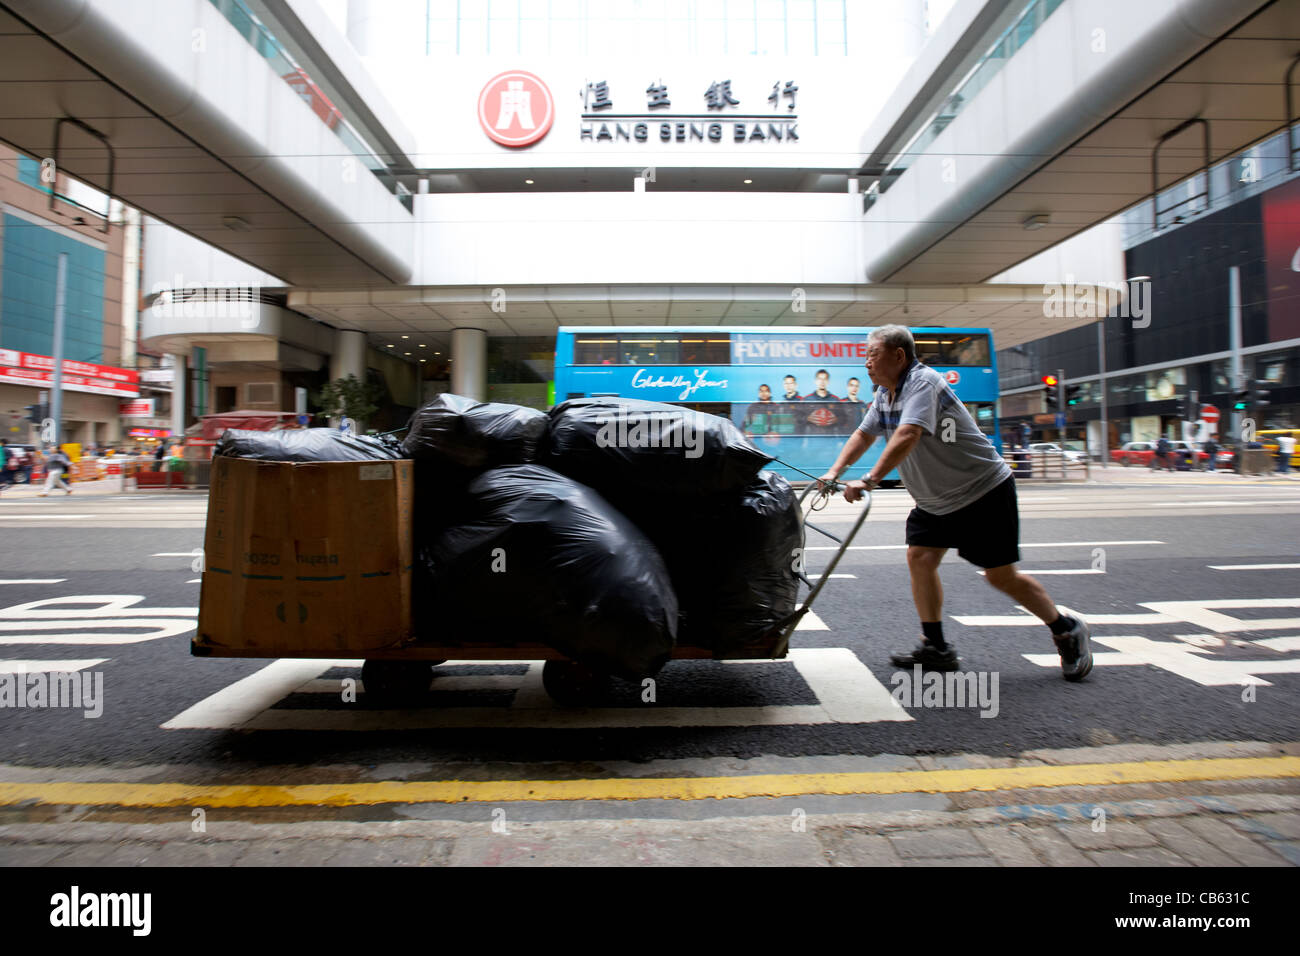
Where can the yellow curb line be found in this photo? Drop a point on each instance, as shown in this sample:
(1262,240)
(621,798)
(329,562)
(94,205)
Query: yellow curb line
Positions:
(654,788)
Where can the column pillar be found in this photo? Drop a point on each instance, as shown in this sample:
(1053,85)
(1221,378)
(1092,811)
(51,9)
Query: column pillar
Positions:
(469,363)
(349,355)
(180,391)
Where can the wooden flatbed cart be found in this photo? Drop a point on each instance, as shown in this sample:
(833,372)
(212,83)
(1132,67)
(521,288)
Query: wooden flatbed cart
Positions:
(402,674)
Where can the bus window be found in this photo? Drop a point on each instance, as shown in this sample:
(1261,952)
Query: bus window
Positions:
(648,349)
(928,350)
(966,350)
(705,349)
(595,350)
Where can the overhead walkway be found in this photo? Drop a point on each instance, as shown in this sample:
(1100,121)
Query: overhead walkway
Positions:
(201,113)
(1058,114)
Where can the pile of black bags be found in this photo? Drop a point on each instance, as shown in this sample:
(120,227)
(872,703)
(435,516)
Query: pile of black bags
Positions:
(609,529)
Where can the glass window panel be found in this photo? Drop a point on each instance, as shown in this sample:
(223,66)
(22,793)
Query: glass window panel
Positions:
(712,37)
(928,349)
(473,37)
(503,36)
(595,350)
(771,38)
(566,38)
(740,37)
(967,350)
(802,38)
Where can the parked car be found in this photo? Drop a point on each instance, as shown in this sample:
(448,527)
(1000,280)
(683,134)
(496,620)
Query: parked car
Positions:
(1052,448)
(1134,453)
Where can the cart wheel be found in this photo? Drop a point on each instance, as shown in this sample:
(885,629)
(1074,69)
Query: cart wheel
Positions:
(396,681)
(572,684)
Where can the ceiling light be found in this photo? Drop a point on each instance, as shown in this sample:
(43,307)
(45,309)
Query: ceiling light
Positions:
(437,353)
(422,345)
(748,181)
(528,182)
(390,346)
(424,360)
(1036,221)
(406,336)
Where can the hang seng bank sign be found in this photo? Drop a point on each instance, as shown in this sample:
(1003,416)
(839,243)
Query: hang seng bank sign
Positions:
(516,109)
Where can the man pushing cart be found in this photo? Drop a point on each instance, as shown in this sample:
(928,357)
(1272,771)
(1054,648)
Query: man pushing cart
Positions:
(965,499)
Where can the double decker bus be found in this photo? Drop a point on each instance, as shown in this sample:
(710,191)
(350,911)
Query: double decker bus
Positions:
(797,392)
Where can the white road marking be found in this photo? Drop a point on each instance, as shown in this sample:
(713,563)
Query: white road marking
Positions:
(1200,613)
(1253,567)
(1280,644)
(162,627)
(1025,619)
(811,622)
(6,516)
(194,581)
(34,581)
(27,623)
(1228,502)
(1181,659)
(31,667)
(1023,544)
(176,554)
(846,690)
(1059,571)
(243,700)
(112,605)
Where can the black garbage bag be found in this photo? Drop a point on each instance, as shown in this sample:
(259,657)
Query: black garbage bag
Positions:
(732,561)
(626,446)
(306,444)
(458,431)
(538,557)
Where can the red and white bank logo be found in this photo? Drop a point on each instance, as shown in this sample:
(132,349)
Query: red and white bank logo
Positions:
(952,376)
(515,108)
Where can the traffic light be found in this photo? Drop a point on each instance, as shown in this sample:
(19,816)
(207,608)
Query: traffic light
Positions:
(1261,392)
(37,413)
(1052,389)
(1180,409)
(1072,394)
(1241,400)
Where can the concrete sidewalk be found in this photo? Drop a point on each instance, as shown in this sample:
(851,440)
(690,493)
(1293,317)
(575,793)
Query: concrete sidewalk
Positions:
(1188,820)
(1239,830)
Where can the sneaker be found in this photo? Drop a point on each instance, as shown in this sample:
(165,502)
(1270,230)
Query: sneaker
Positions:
(1075,650)
(928,657)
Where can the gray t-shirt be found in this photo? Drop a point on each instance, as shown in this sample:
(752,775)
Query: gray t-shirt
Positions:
(941,475)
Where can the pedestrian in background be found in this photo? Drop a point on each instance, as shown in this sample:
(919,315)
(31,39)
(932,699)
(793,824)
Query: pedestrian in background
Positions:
(56,466)
(5,476)
(1210,448)
(1285,449)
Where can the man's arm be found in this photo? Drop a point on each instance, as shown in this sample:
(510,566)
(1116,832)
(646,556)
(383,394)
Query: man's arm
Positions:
(853,449)
(900,446)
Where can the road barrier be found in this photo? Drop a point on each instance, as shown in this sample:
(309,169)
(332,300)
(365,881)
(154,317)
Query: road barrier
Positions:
(1045,466)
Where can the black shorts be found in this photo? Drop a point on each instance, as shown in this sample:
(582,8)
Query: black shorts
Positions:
(986,532)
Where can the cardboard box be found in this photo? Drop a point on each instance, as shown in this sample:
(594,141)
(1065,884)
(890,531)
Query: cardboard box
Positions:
(306,560)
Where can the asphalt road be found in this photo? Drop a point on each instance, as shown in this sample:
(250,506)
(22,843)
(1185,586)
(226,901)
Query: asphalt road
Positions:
(1141,562)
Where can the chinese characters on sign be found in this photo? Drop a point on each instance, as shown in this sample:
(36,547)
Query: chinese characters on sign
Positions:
(719,101)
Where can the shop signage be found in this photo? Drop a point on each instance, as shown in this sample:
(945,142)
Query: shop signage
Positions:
(24,368)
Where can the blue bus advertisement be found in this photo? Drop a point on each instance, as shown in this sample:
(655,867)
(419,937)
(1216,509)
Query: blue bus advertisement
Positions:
(797,392)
